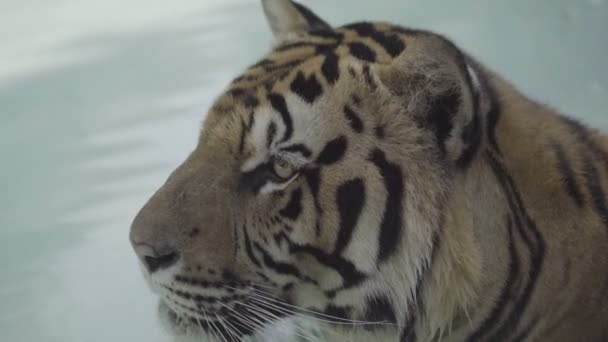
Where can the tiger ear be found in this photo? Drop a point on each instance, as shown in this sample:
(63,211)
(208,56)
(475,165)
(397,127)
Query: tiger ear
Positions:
(289,17)
(443,91)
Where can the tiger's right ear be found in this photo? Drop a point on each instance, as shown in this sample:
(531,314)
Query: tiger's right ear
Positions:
(288,17)
(445,92)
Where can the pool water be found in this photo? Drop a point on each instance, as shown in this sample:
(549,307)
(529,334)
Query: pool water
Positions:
(100,101)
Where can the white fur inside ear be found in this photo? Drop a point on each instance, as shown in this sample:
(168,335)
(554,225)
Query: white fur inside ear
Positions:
(474,78)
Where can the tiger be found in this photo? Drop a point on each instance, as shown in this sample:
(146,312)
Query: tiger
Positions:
(378,181)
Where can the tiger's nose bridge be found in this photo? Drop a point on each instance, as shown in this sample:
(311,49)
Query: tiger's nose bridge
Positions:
(172,227)
(151,239)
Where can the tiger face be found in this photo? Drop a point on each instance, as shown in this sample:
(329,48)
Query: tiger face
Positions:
(317,181)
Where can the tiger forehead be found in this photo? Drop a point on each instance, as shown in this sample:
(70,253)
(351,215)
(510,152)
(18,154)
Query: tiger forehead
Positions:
(319,52)
(307,65)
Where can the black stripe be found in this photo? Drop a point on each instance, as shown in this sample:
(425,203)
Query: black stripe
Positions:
(369,78)
(327,34)
(249,250)
(299,148)
(271,133)
(340,312)
(493,115)
(324,49)
(197,282)
(242,137)
(505,295)
(244,77)
(527,330)
(308,88)
(294,206)
(236,92)
(296,45)
(379,309)
(594,186)
(278,103)
(568,177)
(283,67)
(199,299)
(535,244)
(411,32)
(592,177)
(350,199)
(251,121)
(391,226)
(333,151)
(277,266)
(352,71)
(441,113)
(351,276)
(313,178)
(262,64)
(471,137)
(379,132)
(279,238)
(250,101)
(275,220)
(362,52)
(330,69)
(408,333)
(353,118)
(584,137)
(393,45)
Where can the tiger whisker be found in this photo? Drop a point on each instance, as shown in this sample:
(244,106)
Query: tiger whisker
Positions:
(266,296)
(233,329)
(198,321)
(246,321)
(323,328)
(338,320)
(222,323)
(269,317)
(305,316)
(216,331)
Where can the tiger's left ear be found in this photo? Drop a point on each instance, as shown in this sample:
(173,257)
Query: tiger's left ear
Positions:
(288,17)
(445,93)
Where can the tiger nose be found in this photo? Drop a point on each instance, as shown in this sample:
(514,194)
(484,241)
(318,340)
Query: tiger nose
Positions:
(155,258)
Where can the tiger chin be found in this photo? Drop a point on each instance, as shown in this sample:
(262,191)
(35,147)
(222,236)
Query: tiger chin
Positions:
(381,183)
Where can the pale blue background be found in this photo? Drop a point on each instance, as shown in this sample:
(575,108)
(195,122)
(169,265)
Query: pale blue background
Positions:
(99,100)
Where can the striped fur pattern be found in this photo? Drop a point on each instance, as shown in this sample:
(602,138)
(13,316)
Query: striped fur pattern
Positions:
(378,179)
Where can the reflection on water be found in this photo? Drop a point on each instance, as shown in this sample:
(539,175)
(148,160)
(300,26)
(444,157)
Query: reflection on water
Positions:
(83,144)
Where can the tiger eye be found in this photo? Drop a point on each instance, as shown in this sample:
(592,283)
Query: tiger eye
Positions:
(282,168)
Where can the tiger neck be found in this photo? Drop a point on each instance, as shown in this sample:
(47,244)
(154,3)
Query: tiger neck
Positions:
(468,272)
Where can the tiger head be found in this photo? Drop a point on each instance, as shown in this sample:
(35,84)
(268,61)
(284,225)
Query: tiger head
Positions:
(317,183)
